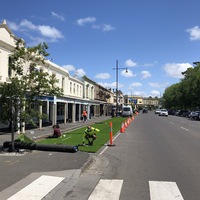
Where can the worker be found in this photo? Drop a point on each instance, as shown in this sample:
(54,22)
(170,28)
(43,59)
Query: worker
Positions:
(90,135)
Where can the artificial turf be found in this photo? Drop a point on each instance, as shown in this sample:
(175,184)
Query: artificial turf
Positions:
(75,138)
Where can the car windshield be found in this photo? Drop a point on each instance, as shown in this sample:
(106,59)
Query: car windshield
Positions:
(126,109)
(163,110)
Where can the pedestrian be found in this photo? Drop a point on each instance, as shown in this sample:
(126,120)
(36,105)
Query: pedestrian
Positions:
(84,114)
(90,135)
(56,132)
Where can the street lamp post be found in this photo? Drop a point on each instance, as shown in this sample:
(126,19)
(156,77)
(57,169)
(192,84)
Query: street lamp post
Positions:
(117,69)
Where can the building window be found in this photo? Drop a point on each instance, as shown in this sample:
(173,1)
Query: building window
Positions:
(74,88)
(63,82)
(87,90)
(70,89)
(92,92)
(77,90)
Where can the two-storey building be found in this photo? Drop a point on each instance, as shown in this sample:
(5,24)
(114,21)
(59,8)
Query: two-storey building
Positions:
(78,93)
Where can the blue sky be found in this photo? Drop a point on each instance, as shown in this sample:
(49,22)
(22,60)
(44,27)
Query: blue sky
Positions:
(155,39)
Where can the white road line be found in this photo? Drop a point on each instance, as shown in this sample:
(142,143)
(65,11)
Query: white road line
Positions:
(184,128)
(107,189)
(38,188)
(160,190)
(171,122)
(107,146)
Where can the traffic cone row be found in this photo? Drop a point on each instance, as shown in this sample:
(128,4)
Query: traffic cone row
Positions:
(126,123)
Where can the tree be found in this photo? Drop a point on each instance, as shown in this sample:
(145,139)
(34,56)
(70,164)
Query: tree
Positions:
(28,82)
(186,93)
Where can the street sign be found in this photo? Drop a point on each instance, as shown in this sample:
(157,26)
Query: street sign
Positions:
(135,101)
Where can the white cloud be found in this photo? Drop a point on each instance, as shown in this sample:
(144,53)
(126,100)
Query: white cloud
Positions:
(50,32)
(175,70)
(69,67)
(194,33)
(103,76)
(27,24)
(155,93)
(83,21)
(158,85)
(150,64)
(111,85)
(13,26)
(139,93)
(44,30)
(80,72)
(104,27)
(127,73)
(130,63)
(108,27)
(145,74)
(60,17)
(136,84)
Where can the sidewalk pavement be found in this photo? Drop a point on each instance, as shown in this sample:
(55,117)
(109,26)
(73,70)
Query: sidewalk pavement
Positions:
(37,133)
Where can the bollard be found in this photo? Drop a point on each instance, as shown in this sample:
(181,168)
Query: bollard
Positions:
(111,136)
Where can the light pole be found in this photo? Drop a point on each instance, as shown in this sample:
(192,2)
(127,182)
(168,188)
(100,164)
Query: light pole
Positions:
(117,69)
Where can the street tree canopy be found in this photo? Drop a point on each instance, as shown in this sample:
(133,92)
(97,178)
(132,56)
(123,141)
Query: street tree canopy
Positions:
(27,83)
(186,93)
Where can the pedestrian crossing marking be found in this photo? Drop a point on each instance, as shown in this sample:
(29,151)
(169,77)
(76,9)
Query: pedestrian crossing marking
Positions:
(38,188)
(160,190)
(107,189)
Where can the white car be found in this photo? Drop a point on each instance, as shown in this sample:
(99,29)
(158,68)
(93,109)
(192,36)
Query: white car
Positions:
(163,112)
(157,111)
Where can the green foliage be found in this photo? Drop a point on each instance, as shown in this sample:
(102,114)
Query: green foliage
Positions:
(27,82)
(186,93)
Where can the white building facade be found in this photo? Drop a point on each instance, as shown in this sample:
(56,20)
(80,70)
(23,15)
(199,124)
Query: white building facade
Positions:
(78,94)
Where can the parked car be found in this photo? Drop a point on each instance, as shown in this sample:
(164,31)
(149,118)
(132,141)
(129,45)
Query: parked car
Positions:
(163,112)
(177,112)
(157,111)
(182,113)
(188,114)
(172,112)
(194,115)
(145,110)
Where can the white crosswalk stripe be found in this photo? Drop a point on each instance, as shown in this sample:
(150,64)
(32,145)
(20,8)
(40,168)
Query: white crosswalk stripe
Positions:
(38,188)
(107,189)
(160,190)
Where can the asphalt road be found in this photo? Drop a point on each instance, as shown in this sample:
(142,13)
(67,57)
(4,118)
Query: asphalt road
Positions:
(13,168)
(156,158)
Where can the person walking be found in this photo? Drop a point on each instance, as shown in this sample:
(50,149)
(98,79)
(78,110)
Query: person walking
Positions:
(90,135)
(84,114)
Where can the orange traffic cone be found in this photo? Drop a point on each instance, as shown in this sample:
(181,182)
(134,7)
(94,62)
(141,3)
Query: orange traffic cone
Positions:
(122,128)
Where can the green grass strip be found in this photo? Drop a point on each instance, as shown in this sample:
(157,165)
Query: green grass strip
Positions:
(75,137)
